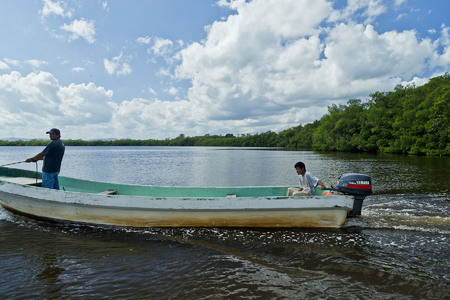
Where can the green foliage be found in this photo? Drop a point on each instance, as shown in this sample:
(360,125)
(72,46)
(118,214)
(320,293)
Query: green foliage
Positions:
(408,120)
(340,129)
(298,138)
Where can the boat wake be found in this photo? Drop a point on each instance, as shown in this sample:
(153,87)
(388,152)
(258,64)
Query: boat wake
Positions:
(414,212)
(3,214)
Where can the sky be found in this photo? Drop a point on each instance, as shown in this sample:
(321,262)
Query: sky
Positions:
(155,69)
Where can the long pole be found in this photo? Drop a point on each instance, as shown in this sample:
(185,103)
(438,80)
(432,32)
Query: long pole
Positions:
(19,162)
(36,173)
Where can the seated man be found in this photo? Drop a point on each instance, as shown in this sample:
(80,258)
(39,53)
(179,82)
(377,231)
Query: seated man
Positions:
(308,182)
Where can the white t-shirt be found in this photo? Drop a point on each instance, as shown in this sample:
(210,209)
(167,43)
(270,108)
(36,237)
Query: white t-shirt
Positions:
(308,182)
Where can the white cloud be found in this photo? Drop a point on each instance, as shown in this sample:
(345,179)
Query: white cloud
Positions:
(28,99)
(399,17)
(78,69)
(143,40)
(36,63)
(157,119)
(416,81)
(249,69)
(33,103)
(374,9)
(105,5)
(85,104)
(13,62)
(400,2)
(368,9)
(161,47)
(3,65)
(81,28)
(55,8)
(271,65)
(443,59)
(125,70)
(172,91)
(358,52)
(117,66)
(110,66)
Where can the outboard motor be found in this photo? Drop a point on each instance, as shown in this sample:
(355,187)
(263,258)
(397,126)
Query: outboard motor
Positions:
(357,185)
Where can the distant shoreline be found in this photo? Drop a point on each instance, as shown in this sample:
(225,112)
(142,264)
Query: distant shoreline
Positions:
(410,120)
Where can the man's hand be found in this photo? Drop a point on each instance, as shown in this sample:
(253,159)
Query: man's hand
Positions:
(39,156)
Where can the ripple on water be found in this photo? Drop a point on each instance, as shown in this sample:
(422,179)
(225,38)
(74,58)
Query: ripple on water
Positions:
(398,247)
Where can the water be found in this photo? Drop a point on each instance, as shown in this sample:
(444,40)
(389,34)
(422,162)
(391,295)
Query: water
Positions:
(397,249)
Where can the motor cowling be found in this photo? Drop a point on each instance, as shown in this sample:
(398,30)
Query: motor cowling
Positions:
(357,185)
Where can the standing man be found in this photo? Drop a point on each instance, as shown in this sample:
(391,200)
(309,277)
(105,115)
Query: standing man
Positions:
(308,182)
(52,156)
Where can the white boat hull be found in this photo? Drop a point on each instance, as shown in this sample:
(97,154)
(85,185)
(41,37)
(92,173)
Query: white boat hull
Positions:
(140,211)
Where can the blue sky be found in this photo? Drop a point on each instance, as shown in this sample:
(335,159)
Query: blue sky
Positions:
(156,69)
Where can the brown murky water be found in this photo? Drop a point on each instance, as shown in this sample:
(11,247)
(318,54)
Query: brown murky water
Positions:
(398,249)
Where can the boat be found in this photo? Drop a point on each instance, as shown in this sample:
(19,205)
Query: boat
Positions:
(91,202)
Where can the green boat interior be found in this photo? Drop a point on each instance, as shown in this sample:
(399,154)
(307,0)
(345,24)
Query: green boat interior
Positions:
(86,186)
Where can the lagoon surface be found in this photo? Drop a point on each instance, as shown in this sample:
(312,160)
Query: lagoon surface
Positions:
(398,249)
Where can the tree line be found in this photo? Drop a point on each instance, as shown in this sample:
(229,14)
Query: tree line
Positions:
(408,120)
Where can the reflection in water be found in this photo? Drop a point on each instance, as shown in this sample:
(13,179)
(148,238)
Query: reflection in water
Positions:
(50,273)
